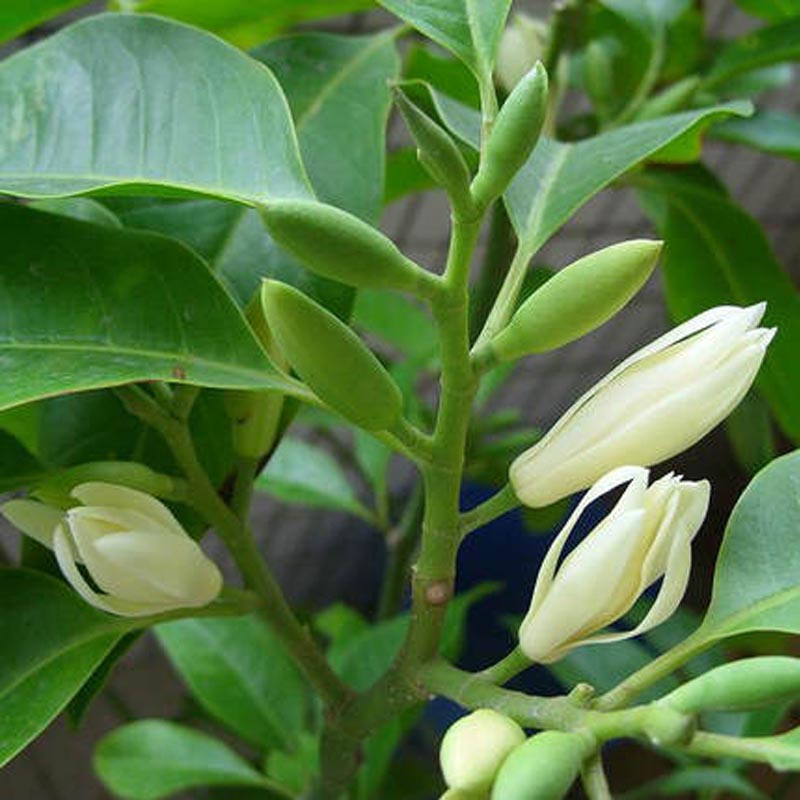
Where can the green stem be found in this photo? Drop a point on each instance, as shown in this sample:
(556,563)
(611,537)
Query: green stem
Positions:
(498,504)
(245,473)
(594,779)
(507,668)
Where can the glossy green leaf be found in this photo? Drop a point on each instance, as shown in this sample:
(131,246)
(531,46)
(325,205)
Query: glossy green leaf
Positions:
(244,22)
(82,208)
(299,472)
(770,9)
(470,29)
(88,306)
(770,131)
(128,104)
(560,177)
(716,254)
(151,758)
(238,671)
(52,642)
(757,578)
(18,16)
(771,44)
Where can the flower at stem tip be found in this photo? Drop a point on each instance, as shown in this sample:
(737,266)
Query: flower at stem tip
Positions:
(656,403)
(129,543)
(645,537)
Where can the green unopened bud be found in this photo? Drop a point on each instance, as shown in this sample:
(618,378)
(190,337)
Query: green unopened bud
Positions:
(543,768)
(513,136)
(339,245)
(255,416)
(331,359)
(577,299)
(523,43)
(739,686)
(437,152)
(474,748)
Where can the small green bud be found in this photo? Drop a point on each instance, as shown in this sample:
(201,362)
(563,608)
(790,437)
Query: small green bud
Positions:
(513,136)
(339,245)
(543,768)
(739,686)
(331,359)
(577,299)
(474,748)
(437,152)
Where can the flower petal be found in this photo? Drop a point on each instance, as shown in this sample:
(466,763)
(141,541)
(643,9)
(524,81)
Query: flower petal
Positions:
(34,519)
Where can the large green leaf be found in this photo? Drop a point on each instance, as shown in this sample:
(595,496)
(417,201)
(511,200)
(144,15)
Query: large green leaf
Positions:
(129,104)
(86,306)
(152,758)
(18,466)
(771,9)
(718,254)
(771,44)
(560,177)
(771,131)
(52,642)
(757,578)
(470,29)
(244,22)
(238,671)
(18,16)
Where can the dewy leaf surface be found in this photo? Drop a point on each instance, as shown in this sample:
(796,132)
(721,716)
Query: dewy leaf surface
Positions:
(126,104)
(84,306)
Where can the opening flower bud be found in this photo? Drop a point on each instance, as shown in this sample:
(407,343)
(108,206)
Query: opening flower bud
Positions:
(655,404)
(130,545)
(474,748)
(647,536)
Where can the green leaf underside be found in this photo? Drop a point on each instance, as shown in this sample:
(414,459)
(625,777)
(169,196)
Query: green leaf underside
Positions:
(164,109)
(771,131)
(239,673)
(150,759)
(85,306)
(53,642)
(559,178)
(470,29)
(756,584)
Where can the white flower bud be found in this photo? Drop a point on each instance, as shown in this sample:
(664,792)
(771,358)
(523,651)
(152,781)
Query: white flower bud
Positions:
(474,748)
(129,543)
(655,404)
(523,43)
(646,536)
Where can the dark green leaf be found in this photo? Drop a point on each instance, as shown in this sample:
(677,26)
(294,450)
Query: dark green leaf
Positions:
(18,16)
(19,468)
(696,779)
(88,306)
(447,75)
(771,131)
(771,9)
(238,672)
(152,758)
(82,208)
(750,432)
(53,641)
(405,175)
(128,104)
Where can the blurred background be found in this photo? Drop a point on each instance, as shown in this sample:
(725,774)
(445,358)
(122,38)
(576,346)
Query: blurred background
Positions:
(322,557)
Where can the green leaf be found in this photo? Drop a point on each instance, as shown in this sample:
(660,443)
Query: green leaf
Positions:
(238,671)
(718,254)
(756,583)
(405,175)
(696,779)
(470,29)
(458,118)
(127,104)
(19,468)
(771,44)
(750,432)
(770,131)
(300,472)
(87,306)
(447,75)
(82,208)
(152,758)
(52,642)
(770,9)
(560,177)
(18,16)
(244,22)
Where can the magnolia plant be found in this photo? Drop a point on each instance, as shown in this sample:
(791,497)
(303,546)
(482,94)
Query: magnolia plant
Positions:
(194,272)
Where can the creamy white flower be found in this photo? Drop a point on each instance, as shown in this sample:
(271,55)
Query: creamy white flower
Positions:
(646,536)
(656,403)
(129,543)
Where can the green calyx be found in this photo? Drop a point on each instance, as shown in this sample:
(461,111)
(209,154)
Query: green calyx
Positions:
(339,245)
(739,686)
(331,359)
(513,136)
(542,768)
(577,299)
(438,153)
